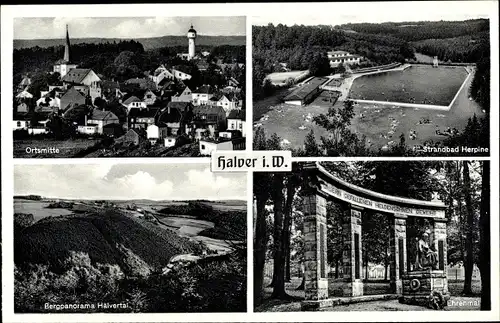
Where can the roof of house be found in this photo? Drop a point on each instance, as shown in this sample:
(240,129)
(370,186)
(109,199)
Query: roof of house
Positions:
(149,112)
(205,89)
(131,99)
(304,90)
(102,115)
(172,115)
(183,68)
(333,52)
(347,56)
(72,95)
(208,109)
(76,75)
(229,95)
(237,114)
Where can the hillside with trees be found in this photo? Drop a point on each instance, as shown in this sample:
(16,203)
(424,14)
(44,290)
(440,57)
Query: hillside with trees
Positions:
(107,256)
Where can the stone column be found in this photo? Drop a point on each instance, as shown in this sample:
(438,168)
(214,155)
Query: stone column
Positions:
(440,245)
(352,257)
(315,259)
(398,252)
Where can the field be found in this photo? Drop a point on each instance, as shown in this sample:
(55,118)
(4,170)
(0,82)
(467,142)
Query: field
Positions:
(38,209)
(382,125)
(67,148)
(282,77)
(417,84)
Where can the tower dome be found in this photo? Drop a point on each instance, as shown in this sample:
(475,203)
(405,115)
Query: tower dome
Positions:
(191,30)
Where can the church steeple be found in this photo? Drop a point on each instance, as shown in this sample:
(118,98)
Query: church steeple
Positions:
(66,46)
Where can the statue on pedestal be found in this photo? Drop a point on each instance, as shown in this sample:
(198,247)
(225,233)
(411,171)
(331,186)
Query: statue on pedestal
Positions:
(425,256)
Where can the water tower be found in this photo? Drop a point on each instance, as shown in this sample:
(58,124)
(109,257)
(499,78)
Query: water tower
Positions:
(191,35)
(435,61)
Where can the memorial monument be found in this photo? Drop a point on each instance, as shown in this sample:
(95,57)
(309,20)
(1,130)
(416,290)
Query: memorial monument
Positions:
(424,284)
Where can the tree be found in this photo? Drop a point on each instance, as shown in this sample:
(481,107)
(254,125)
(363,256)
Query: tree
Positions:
(484,242)
(469,256)
(311,147)
(340,141)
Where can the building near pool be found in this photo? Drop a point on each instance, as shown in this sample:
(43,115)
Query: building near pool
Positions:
(306,92)
(338,57)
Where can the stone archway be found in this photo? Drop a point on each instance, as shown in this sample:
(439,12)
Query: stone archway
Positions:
(322,186)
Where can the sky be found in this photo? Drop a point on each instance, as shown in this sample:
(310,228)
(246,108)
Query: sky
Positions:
(126,27)
(129,181)
(376,12)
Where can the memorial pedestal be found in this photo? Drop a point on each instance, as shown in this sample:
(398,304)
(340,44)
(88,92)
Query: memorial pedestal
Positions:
(425,288)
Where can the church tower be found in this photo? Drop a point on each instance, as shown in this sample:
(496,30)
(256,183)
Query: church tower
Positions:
(191,35)
(63,66)
(66,46)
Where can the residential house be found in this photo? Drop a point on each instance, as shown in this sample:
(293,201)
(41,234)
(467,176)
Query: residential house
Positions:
(233,82)
(113,130)
(80,76)
(87,129)
(134,102)
(22,107)
(149,97)
(25,83)
(236,121)
(70,98)
(48,103)
(101,118)
(202,95)
(180,75)
(161,74)
(142,117)
(20,123)
(175,117)
(24,94)
(202,64)
(109,89)
(210,117)
(228,101)
(169,141)
(185,96)
(207,146)
(338,57)
(133,136)
(205,53)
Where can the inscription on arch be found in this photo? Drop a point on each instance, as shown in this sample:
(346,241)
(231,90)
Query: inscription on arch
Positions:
(341,194)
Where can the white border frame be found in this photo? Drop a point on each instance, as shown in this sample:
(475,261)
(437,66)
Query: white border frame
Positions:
(249,10)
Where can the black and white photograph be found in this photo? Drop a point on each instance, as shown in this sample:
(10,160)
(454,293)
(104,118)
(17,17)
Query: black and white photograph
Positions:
(373,236)
(128,87)
(129,238)
(413,80)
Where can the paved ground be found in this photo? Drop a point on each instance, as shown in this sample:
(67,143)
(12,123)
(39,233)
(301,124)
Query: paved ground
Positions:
(456,303)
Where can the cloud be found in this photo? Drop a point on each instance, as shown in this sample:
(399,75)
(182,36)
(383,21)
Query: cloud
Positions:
(94,181)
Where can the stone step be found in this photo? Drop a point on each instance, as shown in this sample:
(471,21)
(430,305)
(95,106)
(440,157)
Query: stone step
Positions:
(314,305)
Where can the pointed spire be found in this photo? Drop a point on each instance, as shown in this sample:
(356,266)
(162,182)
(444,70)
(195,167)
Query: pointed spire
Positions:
(66,46)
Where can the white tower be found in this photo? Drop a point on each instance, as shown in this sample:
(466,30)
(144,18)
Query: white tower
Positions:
(191,38)
(435,61)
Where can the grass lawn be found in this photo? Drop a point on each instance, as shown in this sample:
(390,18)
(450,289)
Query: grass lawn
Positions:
(67,148)
(456,303)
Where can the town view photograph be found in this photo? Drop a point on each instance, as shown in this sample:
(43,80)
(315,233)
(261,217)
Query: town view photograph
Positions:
(411,83)
(128,87)
(129,238)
